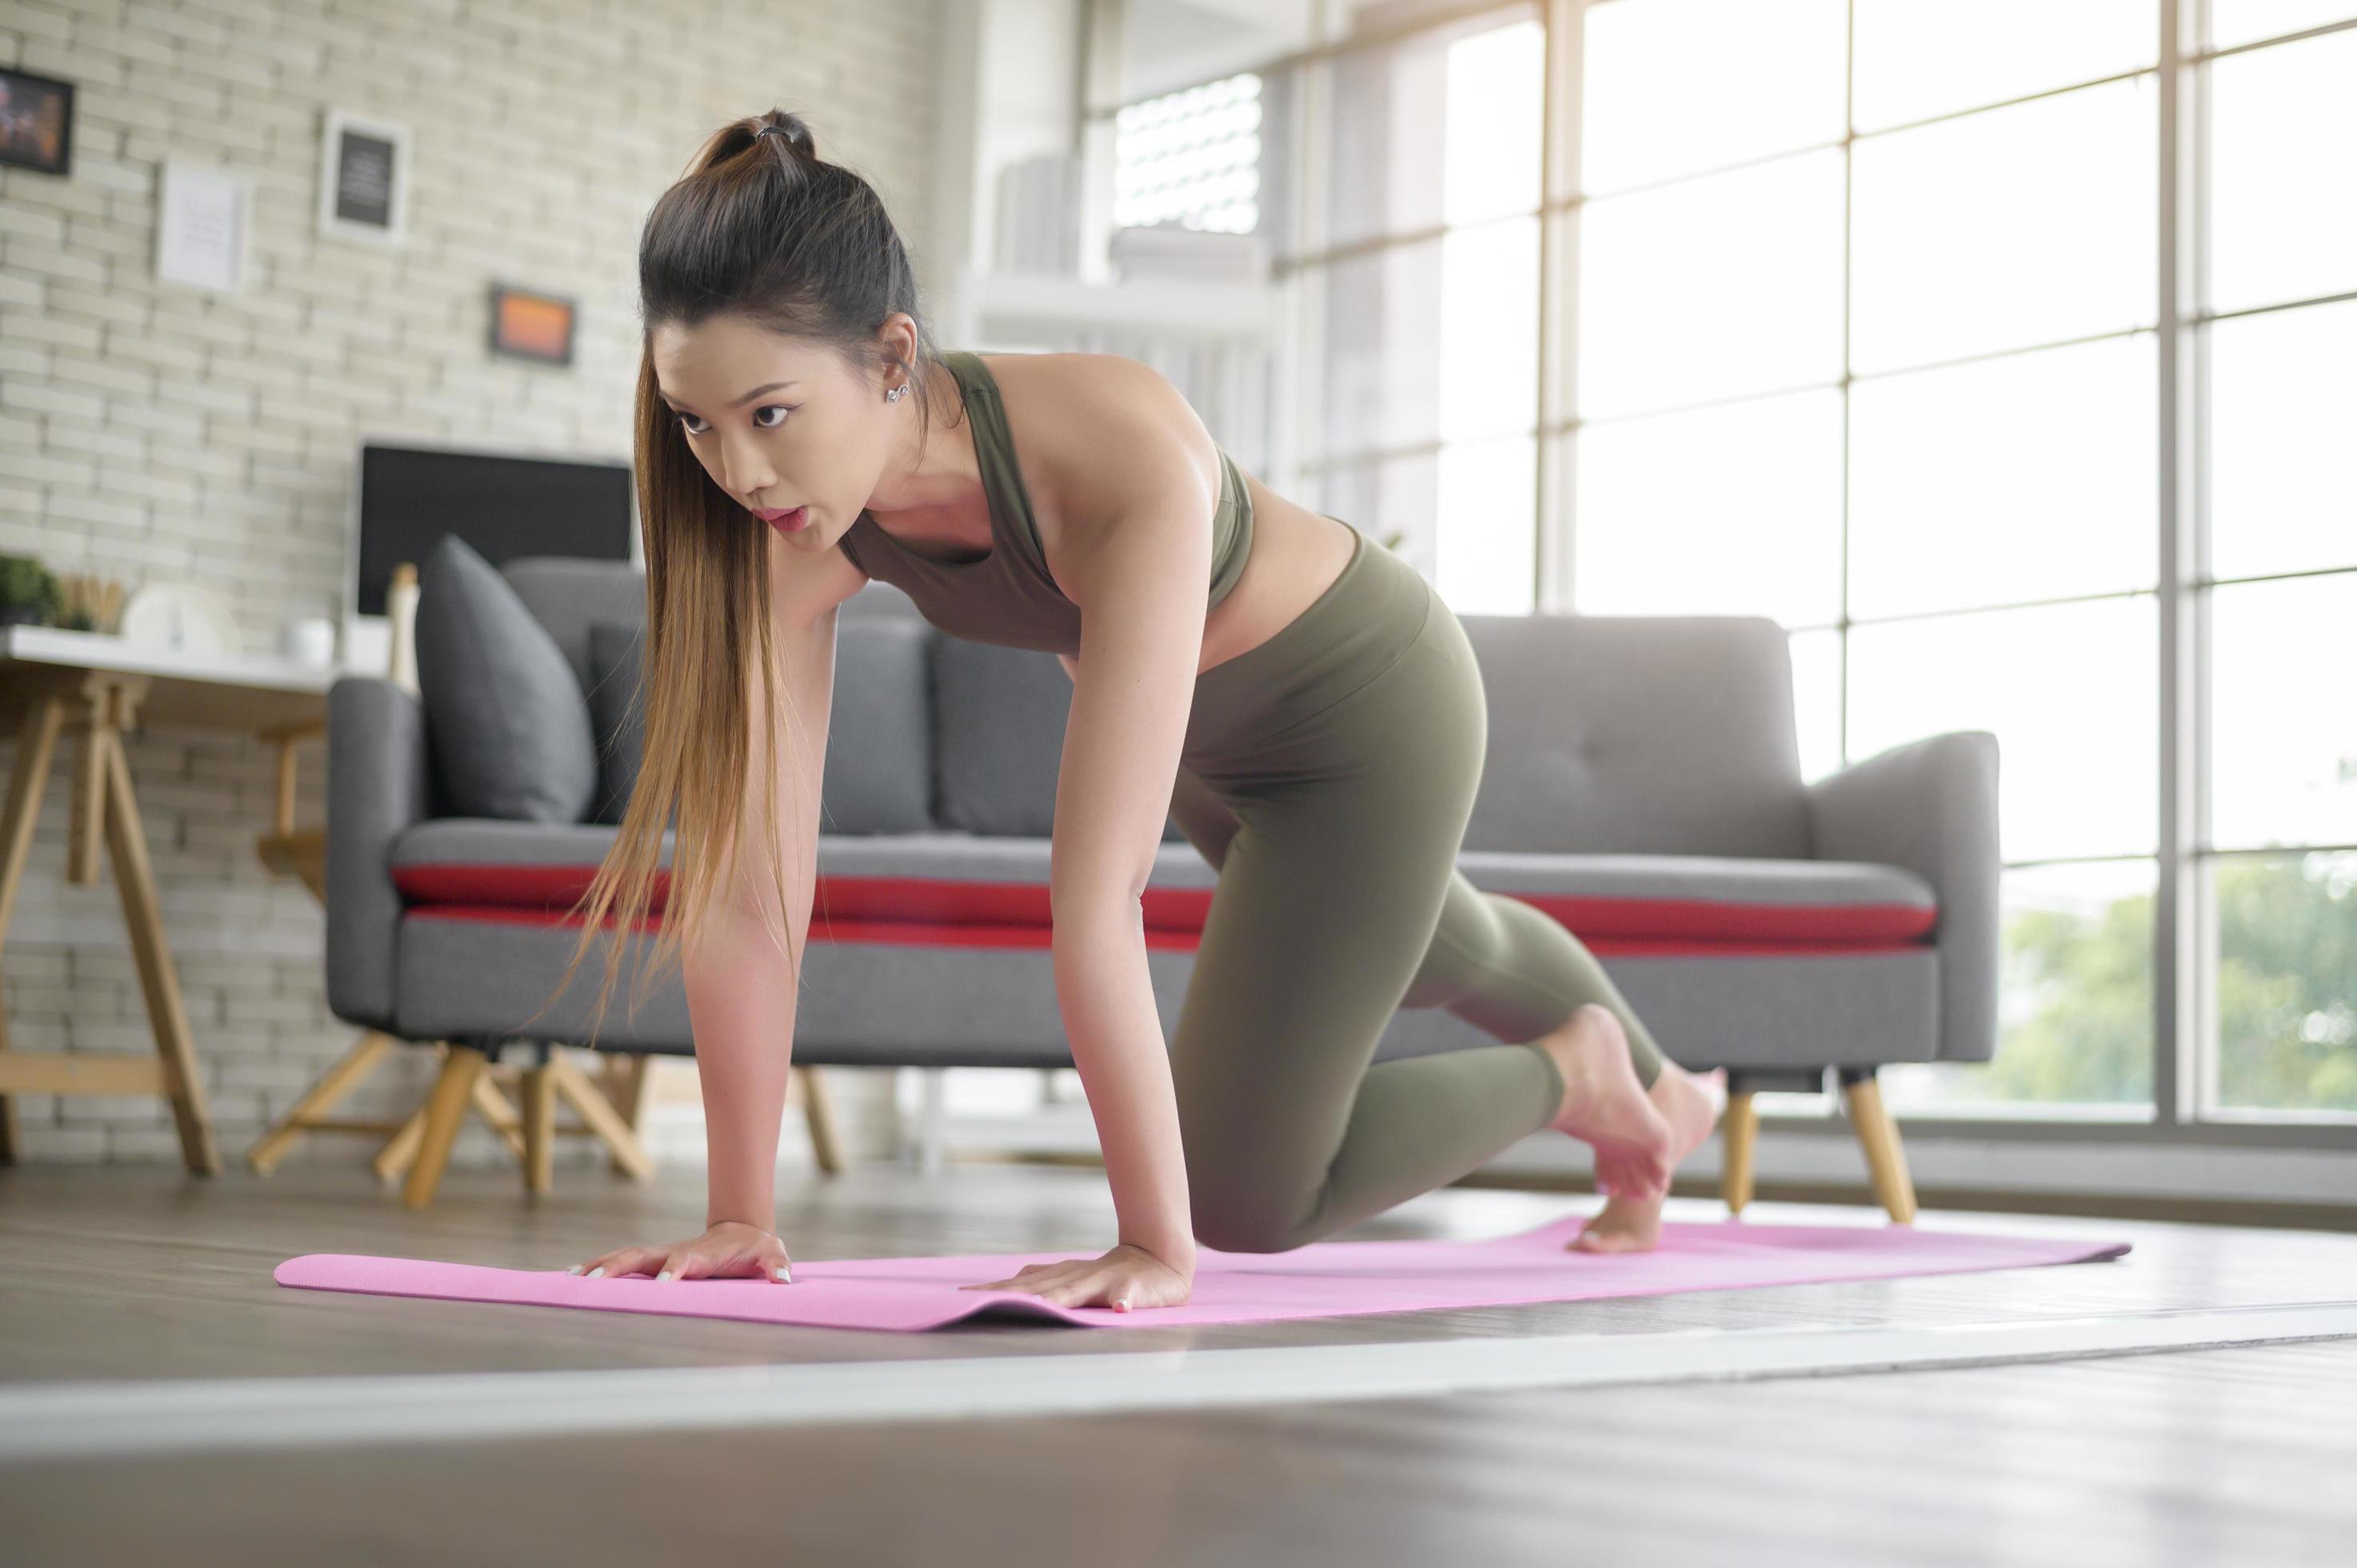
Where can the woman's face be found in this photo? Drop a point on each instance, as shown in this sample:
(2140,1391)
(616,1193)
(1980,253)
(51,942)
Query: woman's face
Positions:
(780,423)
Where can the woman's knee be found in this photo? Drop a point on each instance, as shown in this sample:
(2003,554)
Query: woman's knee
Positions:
(1248,1224)
(1239,1202)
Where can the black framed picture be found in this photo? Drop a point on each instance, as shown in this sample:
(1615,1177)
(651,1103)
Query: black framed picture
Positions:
(528,325)
(363,178)
(36,122)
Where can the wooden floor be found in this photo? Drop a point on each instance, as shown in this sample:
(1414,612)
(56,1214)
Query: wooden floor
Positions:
(2223,1457)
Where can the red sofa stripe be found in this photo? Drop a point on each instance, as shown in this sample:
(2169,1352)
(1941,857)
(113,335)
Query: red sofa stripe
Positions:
(914,933)
(948,907)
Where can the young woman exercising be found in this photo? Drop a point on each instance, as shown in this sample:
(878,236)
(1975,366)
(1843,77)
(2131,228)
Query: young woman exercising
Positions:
(1309,712)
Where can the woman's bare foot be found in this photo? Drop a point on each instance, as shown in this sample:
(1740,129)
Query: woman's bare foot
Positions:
(1691,1104)
(1605,1106)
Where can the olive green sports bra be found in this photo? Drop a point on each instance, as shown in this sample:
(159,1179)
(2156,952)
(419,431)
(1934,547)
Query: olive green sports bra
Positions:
(1007,597)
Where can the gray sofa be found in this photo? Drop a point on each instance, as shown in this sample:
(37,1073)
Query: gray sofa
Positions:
(1642,784)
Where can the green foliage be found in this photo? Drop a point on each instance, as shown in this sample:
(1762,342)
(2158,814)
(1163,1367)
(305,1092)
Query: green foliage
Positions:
(24,583)
(2287,982)
(2077,992)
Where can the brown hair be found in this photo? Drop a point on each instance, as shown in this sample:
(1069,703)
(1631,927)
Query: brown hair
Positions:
(759,228)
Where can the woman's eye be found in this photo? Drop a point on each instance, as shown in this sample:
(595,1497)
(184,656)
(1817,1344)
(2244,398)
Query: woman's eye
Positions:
(688,422)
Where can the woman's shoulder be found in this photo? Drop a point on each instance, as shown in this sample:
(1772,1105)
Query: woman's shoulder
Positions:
(1089,421)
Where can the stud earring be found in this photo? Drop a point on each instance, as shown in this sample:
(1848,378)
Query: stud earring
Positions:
(897,393)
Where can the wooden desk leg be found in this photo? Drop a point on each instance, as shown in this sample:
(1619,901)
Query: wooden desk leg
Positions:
(127,841)
(37,744)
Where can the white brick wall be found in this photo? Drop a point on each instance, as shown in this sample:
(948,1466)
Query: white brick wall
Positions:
(151,430)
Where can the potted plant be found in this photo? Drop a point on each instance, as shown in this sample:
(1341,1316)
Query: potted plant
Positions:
(29,592)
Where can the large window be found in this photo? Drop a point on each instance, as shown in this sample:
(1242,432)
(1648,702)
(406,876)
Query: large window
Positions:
(2003,351)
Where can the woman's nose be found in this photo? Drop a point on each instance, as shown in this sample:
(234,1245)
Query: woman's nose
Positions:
(745,473)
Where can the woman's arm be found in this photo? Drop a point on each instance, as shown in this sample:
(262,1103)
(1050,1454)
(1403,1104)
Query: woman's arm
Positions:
(1137,571)
(1106,997)
(741,991)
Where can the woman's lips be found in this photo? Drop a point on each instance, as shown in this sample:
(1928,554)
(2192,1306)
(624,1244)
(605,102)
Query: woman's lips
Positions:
(787,522)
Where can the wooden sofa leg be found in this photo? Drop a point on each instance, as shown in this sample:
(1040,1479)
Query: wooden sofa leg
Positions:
(623,1079)
(323,1097)
(496,1111)
(1878,1134)
(445,1108)
(400,1149)
(538,1093)
(819,1111)
(1738,1137)
(598,1114)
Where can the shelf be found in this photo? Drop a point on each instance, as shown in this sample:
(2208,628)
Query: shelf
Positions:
(1211,309)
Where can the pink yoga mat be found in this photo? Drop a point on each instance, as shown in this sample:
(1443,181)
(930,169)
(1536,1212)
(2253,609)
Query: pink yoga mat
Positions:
(1324,1278)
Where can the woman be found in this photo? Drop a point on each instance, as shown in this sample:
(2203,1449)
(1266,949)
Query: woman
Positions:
(1316,723)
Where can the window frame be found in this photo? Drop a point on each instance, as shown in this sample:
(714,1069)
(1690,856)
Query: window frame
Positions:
(2186,1045)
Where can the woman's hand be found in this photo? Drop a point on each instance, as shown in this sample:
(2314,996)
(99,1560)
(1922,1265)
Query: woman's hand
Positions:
(728,1248)
(1122,1278)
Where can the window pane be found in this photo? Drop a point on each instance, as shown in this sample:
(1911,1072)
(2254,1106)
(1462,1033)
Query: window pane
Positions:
(1726,510)
(2284,730)
(1192,159)
(1464,517)
(2027,225)
(2074,1009)
(1712,288)
(2024,477)
(1393,502)
(1489,507)
(2283,159)
(2069,692)
(1675,87)
(2246,21)
(1414,348)
(1916,61)
(2287,981)
(1445,128)
(2283,467)
(1817,699)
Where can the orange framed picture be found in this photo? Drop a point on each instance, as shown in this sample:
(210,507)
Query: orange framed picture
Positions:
(526,325)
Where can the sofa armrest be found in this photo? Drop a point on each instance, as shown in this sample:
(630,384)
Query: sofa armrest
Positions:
(378,785)
(1930,806)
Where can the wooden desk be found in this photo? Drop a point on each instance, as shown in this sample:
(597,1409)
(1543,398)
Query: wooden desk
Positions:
(93,686)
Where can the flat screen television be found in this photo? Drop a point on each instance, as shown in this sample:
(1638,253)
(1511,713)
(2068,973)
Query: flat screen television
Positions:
(503,505)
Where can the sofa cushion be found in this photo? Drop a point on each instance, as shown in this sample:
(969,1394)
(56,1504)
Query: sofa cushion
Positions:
(999,717)
(879,743)
(1639,734)
(509,723)
(878,747)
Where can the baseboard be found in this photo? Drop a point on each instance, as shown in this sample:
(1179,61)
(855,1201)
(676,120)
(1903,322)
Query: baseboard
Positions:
(2106,1206)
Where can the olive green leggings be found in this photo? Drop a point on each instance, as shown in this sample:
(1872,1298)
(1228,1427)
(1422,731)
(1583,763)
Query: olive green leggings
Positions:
(1329,775)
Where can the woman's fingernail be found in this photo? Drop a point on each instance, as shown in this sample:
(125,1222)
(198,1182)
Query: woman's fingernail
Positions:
(664,1276)
(574,1270)
(593,1273)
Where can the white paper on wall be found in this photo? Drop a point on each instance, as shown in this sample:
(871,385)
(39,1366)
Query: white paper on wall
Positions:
(200,227)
